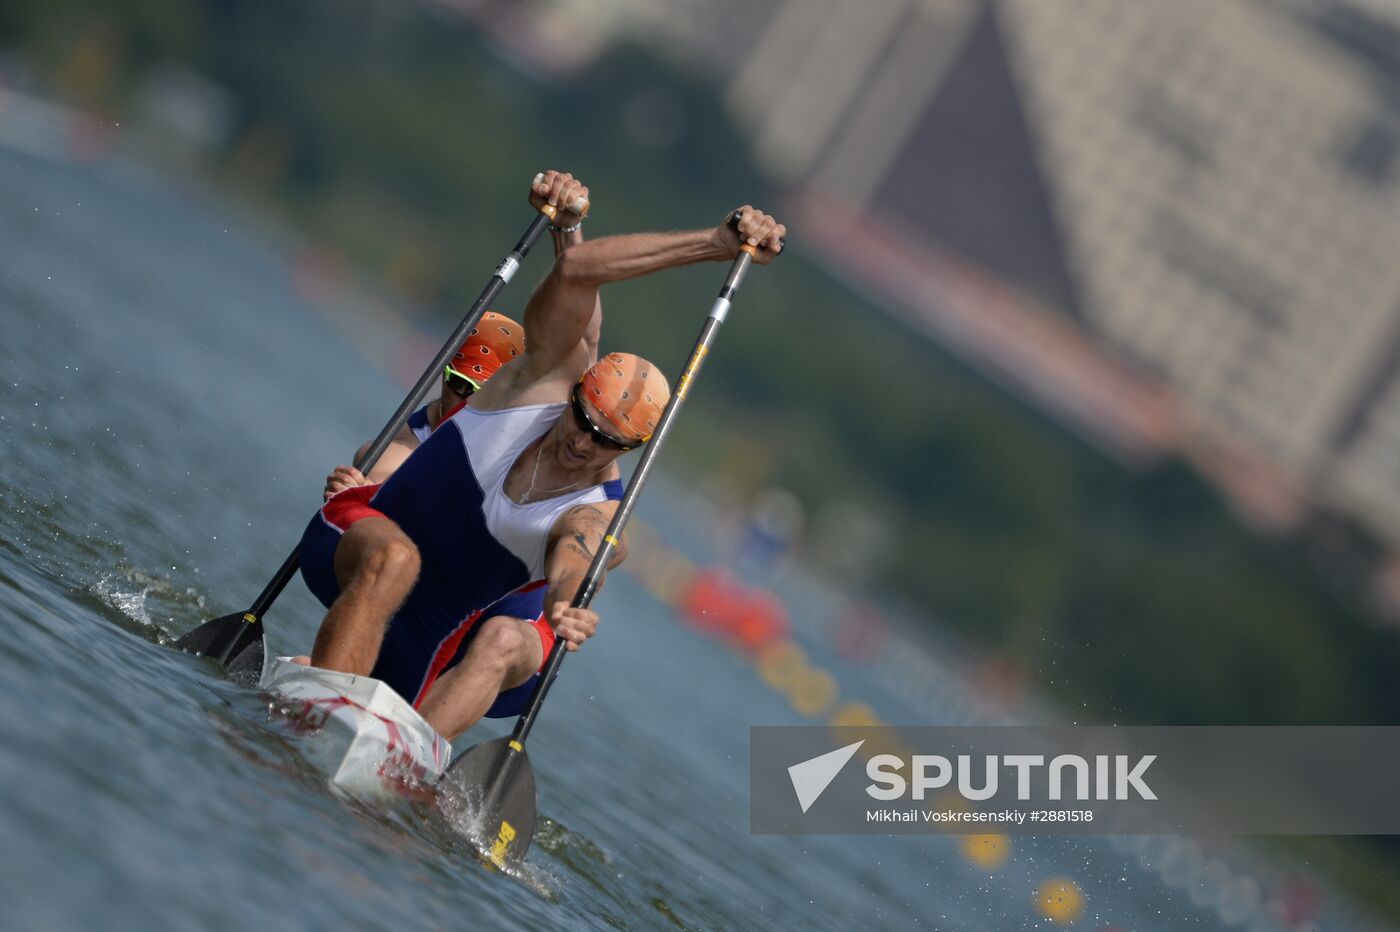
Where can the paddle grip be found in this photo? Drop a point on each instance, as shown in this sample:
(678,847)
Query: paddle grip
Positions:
(578,206)
(733,224)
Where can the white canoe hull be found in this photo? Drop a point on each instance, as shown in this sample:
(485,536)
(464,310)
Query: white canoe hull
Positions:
(369,742)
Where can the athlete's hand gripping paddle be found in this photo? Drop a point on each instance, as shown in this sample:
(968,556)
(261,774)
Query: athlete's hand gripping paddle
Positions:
(236,641)
(500,769)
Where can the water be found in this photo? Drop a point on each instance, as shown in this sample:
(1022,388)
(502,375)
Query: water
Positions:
(168,408)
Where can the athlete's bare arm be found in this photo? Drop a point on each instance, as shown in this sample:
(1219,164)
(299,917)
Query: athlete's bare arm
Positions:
(573,542)
(406,441)
(593,335)
(561,308)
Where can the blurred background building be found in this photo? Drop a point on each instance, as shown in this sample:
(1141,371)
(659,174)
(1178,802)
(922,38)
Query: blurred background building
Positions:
(1173,225)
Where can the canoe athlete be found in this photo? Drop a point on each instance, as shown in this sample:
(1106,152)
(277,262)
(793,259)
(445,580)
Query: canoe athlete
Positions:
(510,496)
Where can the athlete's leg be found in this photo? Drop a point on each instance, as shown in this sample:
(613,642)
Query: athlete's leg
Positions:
(376,566)
(503,654)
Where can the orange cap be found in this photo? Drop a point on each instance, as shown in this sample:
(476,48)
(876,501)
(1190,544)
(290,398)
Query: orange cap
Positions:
(629,391)
(493,342)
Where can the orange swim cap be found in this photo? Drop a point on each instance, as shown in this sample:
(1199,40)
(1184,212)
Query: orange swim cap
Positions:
(493,342)
(629,391)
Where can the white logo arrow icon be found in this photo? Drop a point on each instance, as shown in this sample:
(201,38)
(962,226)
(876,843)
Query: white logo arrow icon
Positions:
(811,777)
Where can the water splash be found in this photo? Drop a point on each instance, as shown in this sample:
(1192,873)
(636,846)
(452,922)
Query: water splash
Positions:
(460,809)
(131,604)
(133,592)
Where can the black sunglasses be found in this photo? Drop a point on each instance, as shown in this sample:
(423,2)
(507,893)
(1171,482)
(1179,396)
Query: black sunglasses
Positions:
(601,439)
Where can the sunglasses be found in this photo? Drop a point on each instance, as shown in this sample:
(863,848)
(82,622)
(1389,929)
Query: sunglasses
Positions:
(459,384)
(601,439)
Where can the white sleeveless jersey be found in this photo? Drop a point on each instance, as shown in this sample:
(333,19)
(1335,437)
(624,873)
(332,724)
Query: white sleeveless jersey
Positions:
(493,441)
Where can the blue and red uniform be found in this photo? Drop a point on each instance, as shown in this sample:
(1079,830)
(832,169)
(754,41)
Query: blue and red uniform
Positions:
(482,554)
(418,421)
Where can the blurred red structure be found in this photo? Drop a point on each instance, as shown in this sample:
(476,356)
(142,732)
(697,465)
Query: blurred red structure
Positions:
(745,617)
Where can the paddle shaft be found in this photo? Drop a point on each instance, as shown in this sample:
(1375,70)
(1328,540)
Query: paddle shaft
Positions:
(502,276)
(596,570)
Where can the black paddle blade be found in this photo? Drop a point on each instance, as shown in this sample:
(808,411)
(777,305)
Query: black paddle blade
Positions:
(225,639)
(499,773)
(245,664)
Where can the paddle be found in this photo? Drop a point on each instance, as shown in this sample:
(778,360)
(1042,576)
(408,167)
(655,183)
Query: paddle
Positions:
(506,813)
(236,641)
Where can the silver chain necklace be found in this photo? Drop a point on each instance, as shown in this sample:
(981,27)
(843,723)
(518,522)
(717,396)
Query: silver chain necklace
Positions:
(532,494)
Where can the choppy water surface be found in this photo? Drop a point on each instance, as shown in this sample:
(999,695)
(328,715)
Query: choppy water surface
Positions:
(167,410)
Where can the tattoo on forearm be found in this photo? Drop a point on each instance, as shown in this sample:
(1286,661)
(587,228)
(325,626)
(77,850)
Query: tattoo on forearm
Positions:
(584,533)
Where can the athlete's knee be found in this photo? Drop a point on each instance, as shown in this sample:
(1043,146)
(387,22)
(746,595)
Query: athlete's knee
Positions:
(502,640)
(398,557)
(392,561)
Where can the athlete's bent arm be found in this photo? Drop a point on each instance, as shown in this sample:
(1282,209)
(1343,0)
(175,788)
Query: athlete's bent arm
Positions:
(392,458)
(593,334)
(406,441)
(561,307)
(573,541)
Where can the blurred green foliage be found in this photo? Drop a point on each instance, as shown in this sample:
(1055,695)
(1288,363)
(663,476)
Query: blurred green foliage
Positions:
(402,138)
